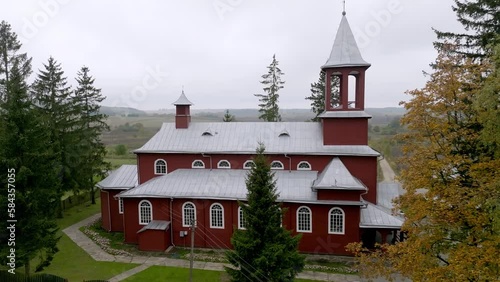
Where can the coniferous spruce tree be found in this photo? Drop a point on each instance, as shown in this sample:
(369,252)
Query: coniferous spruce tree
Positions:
(264,251)
(228,117)
(54,101)
(27,157)
(90,126)
(481,20)
(269,109)
(318,91)
(10,56)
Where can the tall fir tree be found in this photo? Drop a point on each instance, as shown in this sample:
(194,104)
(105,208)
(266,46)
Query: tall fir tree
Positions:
(269,109)
(318,91)
(264,251)
(91,124)
(53,99)
(481,20)
(10,56)
(28,166)
(228,117)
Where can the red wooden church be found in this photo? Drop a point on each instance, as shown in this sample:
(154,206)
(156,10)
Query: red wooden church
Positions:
(326,174)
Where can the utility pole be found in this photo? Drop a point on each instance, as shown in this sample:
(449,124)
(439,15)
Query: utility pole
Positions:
(191,258)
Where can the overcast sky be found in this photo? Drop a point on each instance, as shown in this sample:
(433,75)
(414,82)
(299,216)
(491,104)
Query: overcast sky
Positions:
(142,53)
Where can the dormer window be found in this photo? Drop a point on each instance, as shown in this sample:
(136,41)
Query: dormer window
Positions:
(223,164)
(248,164)
(304,166)
(198,164)
(207,133)
(277,165)
(284,133)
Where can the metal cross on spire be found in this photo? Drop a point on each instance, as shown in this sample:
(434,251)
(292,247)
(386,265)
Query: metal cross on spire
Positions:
(343,11)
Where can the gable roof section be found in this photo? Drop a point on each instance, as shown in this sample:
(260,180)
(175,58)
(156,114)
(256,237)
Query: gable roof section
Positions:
(336,176)
(345,51)
(124,177)
(374,216)
(225,184)
(244,138)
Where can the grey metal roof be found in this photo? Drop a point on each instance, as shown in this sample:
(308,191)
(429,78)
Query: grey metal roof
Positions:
(183,100)
(344,114)
(345,51)
(229,184)
(124,177)
(244,138)
(386,192)
(156,225)
(336,176)
(374,216)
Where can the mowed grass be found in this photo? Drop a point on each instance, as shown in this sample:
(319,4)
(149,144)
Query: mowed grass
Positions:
(172,274)
(72,262)
(116,163)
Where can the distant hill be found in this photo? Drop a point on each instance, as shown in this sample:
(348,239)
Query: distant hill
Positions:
(380,116)
(122,111)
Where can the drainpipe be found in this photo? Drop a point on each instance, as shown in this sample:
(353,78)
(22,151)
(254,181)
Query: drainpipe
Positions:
(361,197)
(171,223)
(289,163)
(205,156)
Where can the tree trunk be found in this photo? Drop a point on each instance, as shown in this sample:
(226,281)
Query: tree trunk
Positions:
(27,268)
(92,195)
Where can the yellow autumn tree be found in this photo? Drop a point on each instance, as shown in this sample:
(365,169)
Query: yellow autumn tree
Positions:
(451,178)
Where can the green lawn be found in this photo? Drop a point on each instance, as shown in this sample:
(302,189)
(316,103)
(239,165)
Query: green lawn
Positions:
(172,274)
(117,162)
(71,261)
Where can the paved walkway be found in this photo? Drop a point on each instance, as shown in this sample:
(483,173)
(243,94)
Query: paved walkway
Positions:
(98,254)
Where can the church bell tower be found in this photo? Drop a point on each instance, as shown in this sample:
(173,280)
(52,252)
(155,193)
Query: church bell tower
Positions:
(344,120)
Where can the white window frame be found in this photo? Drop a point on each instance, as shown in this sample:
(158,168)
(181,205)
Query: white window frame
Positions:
(184,214)
(211,216)
(277,168)
(192,164)
(218,164)
(304,162)
(241,219)
(310,220)
(330,214)
(120,205)
(248,162)
(155,167)
(141,221)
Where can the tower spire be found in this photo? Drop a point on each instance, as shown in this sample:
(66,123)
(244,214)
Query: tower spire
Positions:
(343,11)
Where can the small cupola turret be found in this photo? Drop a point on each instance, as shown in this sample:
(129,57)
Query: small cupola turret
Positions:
(182,111)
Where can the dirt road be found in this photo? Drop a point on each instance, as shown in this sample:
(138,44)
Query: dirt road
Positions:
(389,175)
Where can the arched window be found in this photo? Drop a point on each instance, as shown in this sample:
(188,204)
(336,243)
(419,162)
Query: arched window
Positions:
(160,167)
(304,217)
(242,222)
(145,212)
(223,164)
(216,216)
(198,164)
(336,221)
(304,166)
(188,214)
(277,165)
(248,164)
